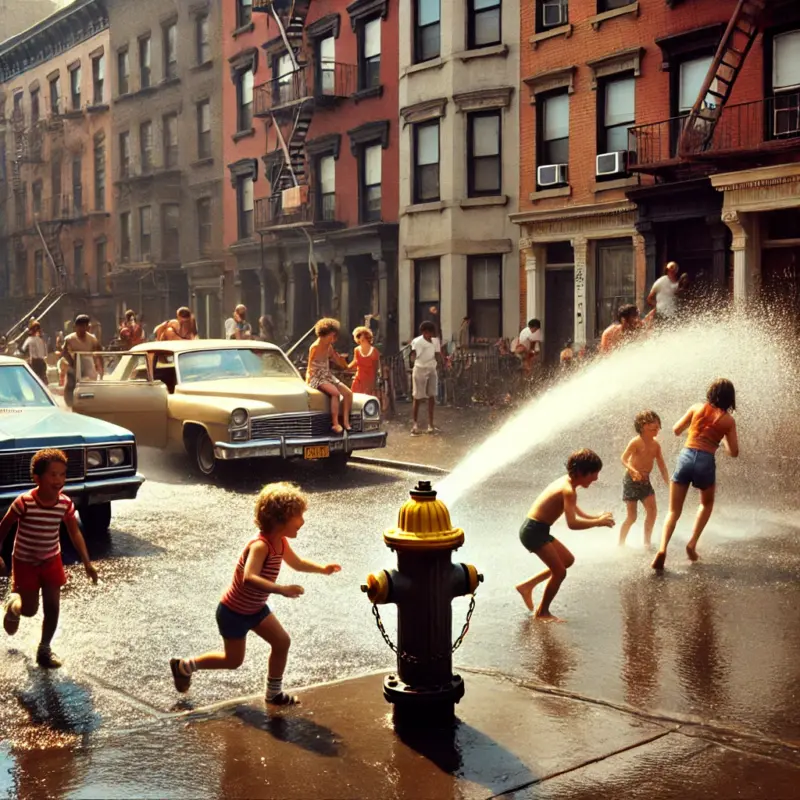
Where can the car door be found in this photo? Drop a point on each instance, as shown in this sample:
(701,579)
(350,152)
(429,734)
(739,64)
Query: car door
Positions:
(126,395)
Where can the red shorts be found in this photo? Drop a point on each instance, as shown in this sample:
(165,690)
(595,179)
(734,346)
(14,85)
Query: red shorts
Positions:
(27,577)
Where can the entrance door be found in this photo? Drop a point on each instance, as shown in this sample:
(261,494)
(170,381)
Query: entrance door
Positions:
(559,311)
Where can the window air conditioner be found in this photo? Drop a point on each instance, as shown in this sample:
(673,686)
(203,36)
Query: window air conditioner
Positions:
(551,175)
(615,163)
(554,13)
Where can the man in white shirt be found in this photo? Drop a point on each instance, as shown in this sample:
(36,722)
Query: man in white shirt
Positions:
(237,326)
(529,343)
(35,348)
(426,357)
(663,295)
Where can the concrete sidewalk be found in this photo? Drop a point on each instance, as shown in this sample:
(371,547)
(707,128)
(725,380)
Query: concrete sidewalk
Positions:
(510,740)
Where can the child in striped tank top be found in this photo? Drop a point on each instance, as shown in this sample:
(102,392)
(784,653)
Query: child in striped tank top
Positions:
(243,607)
(36,560)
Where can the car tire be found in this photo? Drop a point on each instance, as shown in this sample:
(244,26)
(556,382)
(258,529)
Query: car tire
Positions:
(95,520)
(204,458)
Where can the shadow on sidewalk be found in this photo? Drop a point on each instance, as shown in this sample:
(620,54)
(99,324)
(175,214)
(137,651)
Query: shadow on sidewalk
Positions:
(295,730)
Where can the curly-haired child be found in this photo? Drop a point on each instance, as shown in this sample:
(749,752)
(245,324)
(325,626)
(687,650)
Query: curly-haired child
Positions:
(319,375)
(243,607)
(560,497)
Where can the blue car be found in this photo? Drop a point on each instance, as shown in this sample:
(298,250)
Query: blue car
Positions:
(101,457)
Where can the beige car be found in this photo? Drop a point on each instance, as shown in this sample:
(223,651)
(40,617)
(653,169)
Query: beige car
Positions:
(222,400)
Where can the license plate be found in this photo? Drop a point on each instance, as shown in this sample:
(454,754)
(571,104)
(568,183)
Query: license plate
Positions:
(323,451)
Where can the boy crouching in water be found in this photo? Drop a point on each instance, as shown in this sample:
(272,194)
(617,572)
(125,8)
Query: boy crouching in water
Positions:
(560,497)
(638,459)
(279,516)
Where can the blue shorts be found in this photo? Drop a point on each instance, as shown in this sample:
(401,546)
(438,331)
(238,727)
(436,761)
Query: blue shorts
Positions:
(233,625)
(696,467)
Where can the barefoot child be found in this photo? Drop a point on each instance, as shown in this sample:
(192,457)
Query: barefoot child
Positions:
(279,516)
(36,561)
(560,497)
(638,458)
(319,375)
(709,424)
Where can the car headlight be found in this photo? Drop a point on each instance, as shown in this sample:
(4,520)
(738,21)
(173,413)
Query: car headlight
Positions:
(239,418)
(116,456)
(372,408)
(95,459)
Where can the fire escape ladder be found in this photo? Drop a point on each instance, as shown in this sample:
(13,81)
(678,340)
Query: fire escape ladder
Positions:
(52,248)
(728,61)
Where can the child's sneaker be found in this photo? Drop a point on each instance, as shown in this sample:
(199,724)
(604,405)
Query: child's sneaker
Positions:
(10,619)
(46,658)
(283,699)
(415,430)
(182,682)
(432,431)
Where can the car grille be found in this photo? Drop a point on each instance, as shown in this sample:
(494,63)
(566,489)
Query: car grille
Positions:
(15,468)
(296,425)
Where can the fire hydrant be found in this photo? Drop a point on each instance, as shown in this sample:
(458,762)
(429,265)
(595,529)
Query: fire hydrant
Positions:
(424,689)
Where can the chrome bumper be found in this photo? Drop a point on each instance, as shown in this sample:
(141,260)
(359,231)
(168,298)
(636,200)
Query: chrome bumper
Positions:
(286,447)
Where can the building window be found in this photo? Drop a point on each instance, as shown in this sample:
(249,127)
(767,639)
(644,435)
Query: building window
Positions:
(144,62)
(204,225)
(786,84)
(202,34)
(326,167)
(55,184)
(77,264)
(98,79)
(426,290)
(554,129)
(35,108)
(610,5)
(37,197)
(551,14)
(101,264)
(125,236)
(618,99)
(145,235)
(123,72)
(21,205)
(55,96)
(75,88)
(244,100)
(204,129)
(426,162)
(371,157)
(38,272)
(615,283)
(484,159)
(483,24)
(170,232)
(18,98)
(125,155)
(691,75)
(170,141)
(484,296)
(99,173)
(370,61)
(146,146)
(77,184)
(427,30)
(170,51)
(244,12)
(244,205)
(326,65)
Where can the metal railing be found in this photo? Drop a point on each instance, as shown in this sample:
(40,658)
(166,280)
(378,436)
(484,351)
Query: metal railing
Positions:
(327,80)
(269,213)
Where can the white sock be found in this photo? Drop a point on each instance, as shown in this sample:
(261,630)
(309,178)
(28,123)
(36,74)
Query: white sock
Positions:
(274,687)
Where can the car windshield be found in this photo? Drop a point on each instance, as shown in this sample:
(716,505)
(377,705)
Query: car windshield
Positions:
(213,365)
(20,389)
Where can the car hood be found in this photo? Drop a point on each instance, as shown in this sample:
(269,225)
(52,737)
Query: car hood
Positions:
(285,394)
(51,427)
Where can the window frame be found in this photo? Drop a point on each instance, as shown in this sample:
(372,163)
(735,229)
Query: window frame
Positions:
(602,103)
(123,60)
(473,305)
(145,46)
(365,215)
(125,236)
(245,217)
(368,76)
(77,185)
(146,152)
(75,78)
(542,144)
(204,227)
(418,168)
(55,95)
(98,79)
(169,50)
(472,158)
(204,137)
(168,234)
(145,252)
(600,323)
(202,35)
(170,151)
(419,315)
(100,169)
(540,24)
(244,17)
(124,141)
(419,56)
(36,106)
(472,20)
(321,196)
(244,111)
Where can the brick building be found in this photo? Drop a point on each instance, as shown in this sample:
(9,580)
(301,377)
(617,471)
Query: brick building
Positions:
(606,78)
(166,144)
(311,137)
(55,236)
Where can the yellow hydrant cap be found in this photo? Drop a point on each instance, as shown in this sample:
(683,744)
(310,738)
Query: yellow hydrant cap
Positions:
(424,523)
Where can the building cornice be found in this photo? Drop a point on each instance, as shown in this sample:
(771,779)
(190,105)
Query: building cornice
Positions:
(484,99)
(369,133)
(757,178)
(574,212)
(551,80)
(422,112)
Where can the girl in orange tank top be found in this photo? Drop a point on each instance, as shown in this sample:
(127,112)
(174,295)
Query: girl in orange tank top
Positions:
(706,432)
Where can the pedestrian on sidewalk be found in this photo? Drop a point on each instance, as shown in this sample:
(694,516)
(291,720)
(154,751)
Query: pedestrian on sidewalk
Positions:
(426,359)
(36,565)
(81,342)
(237,326)
(663,295)
(366,361)
(35,348)
(528,344)
(243,608)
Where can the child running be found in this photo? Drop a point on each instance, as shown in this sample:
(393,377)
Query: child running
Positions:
(640,454)
(560,497)
(319,375)
(709,424)
(36,560)
(279,516)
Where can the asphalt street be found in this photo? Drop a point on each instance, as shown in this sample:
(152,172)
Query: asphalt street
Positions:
(716,643)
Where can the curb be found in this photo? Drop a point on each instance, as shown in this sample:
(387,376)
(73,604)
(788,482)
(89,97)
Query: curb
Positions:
(404,465)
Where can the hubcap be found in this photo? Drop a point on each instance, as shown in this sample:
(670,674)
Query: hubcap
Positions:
(205,455)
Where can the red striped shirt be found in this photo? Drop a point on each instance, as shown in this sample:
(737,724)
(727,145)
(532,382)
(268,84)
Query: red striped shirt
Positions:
(245,599)
(38,526)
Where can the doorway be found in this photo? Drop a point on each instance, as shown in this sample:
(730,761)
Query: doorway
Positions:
(559,311)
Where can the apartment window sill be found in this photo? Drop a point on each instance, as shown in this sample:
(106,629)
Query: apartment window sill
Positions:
(422,208)
(482,202)
(545,194)
(364,94)
(239,135)
(433,63)
(202,162)
(73,113)
(249,28)
(483,52)
(561,30)
(122,98)
(620,183)
(597,20)
(206,65)
(96,108)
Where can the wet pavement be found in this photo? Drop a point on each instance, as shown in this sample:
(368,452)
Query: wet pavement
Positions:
(681,685)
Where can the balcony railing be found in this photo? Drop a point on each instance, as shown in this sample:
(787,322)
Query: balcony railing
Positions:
(327,81)
(317,211)
(60,208)
(761,126)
